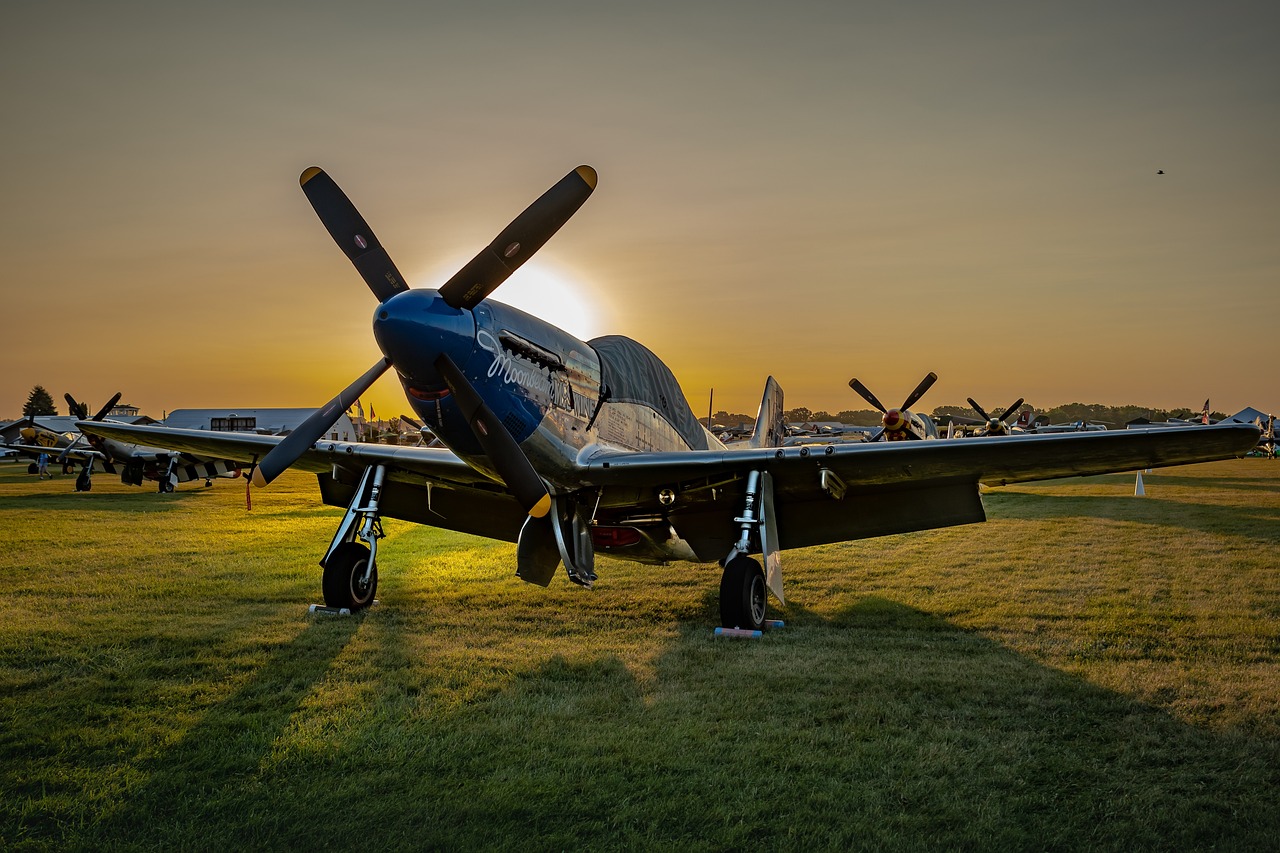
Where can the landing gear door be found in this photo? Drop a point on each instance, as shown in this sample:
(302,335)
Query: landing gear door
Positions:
(769,538)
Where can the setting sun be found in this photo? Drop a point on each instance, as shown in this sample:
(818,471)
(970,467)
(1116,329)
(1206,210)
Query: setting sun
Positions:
(550,294)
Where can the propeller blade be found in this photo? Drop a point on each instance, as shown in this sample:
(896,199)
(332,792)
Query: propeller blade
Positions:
(512,465)
(875,436)
(1011,410)
(62,457)
(352,234)
(865,393)
(111,404)
(76,410)
(317,424)
(974,405)
(412,421)
(925,385)
(518,241)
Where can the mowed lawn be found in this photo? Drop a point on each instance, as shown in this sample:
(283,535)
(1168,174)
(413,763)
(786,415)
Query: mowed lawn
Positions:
(1087,670)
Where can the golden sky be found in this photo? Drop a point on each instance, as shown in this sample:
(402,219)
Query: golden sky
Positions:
(813,190)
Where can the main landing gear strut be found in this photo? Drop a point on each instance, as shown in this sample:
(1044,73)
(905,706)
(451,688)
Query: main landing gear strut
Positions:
(743,590)
(350,564)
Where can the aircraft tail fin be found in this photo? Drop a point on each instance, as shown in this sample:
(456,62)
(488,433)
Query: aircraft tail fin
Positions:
(770,429)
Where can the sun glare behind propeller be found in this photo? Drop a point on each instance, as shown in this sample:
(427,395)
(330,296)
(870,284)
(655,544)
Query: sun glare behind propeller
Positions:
(519,240)
(894,420)
(466,289)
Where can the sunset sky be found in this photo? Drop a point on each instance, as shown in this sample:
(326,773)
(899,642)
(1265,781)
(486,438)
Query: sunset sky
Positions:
(813,190)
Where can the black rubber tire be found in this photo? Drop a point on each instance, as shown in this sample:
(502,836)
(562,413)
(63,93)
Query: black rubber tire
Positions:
(743,594)
(83,482)
(33,468)
(342,573)
(166,486)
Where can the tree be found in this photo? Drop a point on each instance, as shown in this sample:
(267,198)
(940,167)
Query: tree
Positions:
(859,417)
(38,403)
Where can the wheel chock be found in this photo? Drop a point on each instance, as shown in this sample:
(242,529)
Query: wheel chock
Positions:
(740,633)
(323,610)
(747,634)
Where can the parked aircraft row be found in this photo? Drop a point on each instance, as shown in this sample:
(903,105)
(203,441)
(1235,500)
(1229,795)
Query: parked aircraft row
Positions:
(569,447)
(133,462)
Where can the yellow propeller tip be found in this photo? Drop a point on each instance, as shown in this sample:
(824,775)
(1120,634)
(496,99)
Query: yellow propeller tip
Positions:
(542,507)
(257,479)
(309,174)
(588,175)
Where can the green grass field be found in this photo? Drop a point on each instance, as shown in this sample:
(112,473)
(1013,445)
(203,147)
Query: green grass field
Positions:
(1087,670)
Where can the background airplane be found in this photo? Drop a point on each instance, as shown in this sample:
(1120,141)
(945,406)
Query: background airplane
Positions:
(1076,426)
(569,447)
(137,462)
(998,425)
(901,424)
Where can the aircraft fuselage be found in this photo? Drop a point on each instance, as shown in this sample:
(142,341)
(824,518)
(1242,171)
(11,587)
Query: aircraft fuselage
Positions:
(556,394)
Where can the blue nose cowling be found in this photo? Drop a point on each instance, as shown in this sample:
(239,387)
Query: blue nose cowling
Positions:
(413,328)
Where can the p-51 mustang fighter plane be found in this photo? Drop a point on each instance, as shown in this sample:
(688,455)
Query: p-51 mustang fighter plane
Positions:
(136,462)
(569,447)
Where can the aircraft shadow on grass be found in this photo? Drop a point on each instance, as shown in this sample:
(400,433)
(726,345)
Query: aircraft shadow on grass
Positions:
(1259,523)
(898,726)
(184,779)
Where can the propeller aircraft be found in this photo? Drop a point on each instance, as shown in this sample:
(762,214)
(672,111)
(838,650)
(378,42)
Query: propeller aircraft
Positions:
(136,462)
(570,448)
(998,425)
(901,424)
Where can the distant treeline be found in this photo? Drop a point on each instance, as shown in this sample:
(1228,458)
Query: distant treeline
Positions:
(1116,416)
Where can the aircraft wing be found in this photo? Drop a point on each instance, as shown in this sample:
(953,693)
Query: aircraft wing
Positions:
(77,454)
(403,463)
(998,460)
(872,489)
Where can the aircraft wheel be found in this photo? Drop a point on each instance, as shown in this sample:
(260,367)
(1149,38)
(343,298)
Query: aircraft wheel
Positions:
(33,468)
(166,486)
(343,575)
(83,482)
(742,594)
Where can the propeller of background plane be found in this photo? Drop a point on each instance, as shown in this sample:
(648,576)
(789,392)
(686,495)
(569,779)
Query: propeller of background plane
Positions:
(895,421)
(483,274)
(81,412)
(995,426)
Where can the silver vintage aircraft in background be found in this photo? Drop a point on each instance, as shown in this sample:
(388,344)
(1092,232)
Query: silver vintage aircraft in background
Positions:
(134,462)
(569,447)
